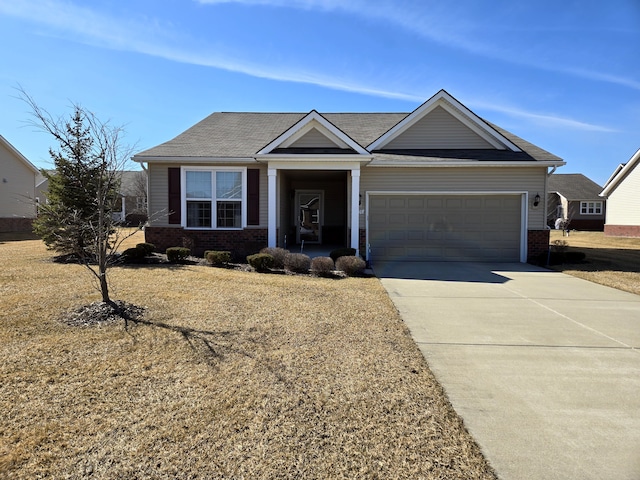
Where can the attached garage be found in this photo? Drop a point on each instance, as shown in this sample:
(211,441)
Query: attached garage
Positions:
(450,228)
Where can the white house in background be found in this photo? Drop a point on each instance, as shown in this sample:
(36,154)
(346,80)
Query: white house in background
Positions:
(17,189)
(622,192)
(437,184)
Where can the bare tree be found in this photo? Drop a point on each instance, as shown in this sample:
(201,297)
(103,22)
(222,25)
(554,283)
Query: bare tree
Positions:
(78,219)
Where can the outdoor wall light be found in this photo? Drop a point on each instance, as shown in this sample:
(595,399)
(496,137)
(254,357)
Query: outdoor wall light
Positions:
(536,200)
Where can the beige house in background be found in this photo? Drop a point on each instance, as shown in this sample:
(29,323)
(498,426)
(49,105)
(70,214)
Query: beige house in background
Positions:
(436,184)
(17,189)
(622,192)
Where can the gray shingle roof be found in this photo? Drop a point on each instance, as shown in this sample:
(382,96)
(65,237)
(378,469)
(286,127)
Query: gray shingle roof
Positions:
(242,135)
(574,186)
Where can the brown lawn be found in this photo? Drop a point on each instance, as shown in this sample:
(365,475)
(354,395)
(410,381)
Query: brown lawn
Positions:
(281,377)
(611,261)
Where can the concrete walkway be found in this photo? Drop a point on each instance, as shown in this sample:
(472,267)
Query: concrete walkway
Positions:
(544,368)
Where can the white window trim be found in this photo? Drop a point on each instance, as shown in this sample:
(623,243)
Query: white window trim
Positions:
(596,206)
(213,199)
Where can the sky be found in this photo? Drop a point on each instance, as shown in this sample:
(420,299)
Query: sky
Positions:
(564,75)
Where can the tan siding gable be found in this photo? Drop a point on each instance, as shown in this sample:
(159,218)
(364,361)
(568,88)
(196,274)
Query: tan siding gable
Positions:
(314,139)
(623,204)
(17,186)
(438,129)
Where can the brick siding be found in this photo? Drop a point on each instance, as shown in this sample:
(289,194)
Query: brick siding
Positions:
(239,242)
(622,230)
(537,245)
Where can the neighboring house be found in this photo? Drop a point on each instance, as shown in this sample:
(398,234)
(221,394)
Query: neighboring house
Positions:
(437,184)
(576,200)
(17,189)
(133,196)
(132,208)
(622,192)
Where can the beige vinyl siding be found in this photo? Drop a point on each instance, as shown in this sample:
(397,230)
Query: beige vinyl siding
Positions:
(17,187)
(623,204)
(456,180)
(438,129)
(159,192)
(313,139)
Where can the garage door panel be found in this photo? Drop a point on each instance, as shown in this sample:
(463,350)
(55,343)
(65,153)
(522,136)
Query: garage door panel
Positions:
(445,228)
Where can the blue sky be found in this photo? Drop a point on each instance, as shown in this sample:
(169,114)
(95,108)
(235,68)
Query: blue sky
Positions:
(564,75)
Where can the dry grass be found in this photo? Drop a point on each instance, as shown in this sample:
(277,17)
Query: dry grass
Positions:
(279,377)
(611,261)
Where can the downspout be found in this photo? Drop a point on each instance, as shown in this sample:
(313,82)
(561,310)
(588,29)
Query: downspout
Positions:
(546,208)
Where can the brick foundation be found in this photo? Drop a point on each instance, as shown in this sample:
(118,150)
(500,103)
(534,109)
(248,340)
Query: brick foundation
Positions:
(622,230)
(11,224)
(239,242)
(537,245)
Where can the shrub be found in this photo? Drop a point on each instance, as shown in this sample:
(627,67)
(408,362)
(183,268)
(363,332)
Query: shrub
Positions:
(322,266)
(148,248)
(218,258)
(342,252)
(177,254)
(297,263)
(134,253)
(260,262)
(574,257)
(278,254)
(351,265)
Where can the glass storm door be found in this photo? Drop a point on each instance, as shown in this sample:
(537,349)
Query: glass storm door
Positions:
(309,216)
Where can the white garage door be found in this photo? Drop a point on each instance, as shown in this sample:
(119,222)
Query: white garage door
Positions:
(444,228)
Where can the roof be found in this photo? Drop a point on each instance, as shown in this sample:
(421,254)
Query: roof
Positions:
(620,174)
(18,155)
(238,136)
(574,186)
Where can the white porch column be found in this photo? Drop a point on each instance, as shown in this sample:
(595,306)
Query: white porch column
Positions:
(355,210)
(271,237)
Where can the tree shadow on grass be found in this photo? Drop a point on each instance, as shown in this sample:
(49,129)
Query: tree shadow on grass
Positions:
(604,259)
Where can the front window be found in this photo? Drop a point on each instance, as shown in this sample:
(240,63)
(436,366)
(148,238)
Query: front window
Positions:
(591,208)
(209,191)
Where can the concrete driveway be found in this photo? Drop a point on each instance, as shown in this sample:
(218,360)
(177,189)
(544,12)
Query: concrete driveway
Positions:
(544,368)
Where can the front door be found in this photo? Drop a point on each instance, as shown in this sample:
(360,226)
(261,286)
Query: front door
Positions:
(309,213)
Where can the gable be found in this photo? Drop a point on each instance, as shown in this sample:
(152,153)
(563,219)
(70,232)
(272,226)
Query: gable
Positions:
(439,129)
(456,122)
(313,132)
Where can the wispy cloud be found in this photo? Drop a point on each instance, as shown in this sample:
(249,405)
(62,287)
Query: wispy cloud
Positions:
(548,120)
(437,22)
(160,40)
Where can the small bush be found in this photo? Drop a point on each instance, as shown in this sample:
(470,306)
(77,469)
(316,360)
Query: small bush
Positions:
(322,266)
(278,254)
(297,263)
(134,253)
(177,254)
(218,258)
(574,257)
(351,265)
(147,248)
(260,262)
(342,252)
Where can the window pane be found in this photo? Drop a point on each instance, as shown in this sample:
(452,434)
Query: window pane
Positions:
(199,214)
(228,185)
(229,215)
(198,184)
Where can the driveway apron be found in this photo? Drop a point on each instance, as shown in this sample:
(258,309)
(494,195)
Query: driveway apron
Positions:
(544,368)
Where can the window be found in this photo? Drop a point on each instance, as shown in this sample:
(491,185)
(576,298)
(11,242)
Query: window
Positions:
(209,191)
(591,208)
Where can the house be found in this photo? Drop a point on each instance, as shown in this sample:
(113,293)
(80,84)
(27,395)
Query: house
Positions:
(17,189)
(576,200)
(622,192)
(132,207)
(436,184)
